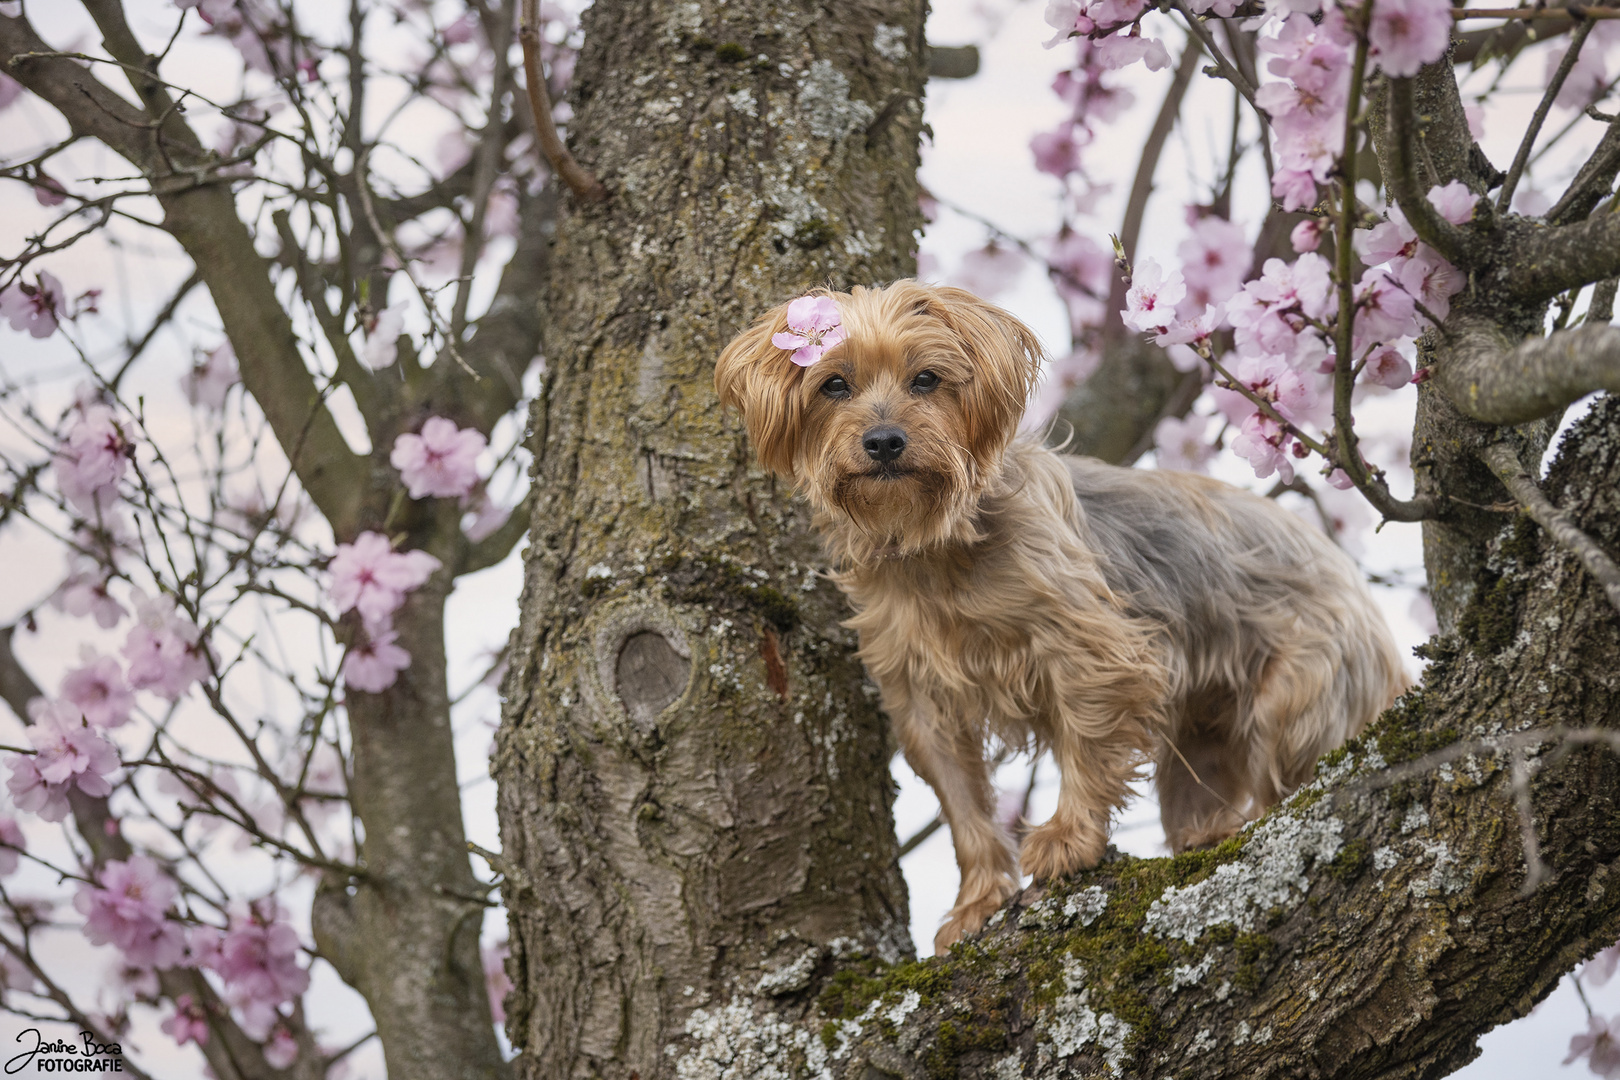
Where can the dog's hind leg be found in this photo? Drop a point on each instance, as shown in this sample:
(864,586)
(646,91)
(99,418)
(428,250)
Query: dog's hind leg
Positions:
(949,754)
(1201,797)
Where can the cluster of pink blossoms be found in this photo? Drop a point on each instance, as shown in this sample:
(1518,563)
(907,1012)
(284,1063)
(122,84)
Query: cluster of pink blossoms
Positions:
(68,752)
(370,577)
(1282,355)
(1313,62)
(256,957)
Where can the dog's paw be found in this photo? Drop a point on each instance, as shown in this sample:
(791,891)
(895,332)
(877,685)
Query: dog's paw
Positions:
(981,897)
(964,921)
(1056,849)
(1202,835)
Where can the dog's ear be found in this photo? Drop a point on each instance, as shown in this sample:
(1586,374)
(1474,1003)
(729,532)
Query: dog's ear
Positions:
(1006,357)
(759,379)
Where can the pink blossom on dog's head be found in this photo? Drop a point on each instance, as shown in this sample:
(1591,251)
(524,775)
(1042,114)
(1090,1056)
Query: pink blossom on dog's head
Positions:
(814,327)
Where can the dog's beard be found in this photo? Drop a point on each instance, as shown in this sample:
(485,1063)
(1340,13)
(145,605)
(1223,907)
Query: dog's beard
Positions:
(896,509)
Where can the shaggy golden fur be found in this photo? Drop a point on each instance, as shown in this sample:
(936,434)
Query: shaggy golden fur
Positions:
(1112,615)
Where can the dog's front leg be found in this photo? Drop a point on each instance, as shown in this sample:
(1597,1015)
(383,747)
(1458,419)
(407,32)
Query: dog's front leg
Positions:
(948,752)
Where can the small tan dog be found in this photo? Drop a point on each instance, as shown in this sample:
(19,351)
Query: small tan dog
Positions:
(1003,589)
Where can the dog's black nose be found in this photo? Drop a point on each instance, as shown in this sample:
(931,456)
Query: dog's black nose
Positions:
(884,444)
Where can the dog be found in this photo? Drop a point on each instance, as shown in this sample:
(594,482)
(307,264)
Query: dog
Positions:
(1112,615)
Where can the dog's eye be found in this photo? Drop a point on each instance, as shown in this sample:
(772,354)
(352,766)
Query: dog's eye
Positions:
(924,381)
(835,387)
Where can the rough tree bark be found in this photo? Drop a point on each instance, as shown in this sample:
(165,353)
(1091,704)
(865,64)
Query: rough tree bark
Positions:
(693,773)
(693,789)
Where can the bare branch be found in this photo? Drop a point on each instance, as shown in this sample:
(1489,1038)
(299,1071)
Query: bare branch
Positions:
(1527,143)
(1405,184)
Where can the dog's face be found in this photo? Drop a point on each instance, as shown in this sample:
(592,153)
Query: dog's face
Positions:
(896,428)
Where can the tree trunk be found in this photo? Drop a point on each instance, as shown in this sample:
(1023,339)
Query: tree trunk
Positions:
(694,785)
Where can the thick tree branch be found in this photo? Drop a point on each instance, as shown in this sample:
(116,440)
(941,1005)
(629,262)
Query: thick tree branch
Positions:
(1504,462)
(1492,379)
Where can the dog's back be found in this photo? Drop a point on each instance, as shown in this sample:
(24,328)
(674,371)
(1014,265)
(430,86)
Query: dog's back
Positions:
(1276,649)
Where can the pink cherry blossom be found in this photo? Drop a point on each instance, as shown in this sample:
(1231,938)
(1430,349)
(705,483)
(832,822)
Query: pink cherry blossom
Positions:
(441,462)
(281,1051)
(47,192)
(1600,1045)
(495,979)
(84,592)
(1214,260)
(370,577)
(1392,239)
(382,342)
(97,688)
(1432,280)
(35,308)
(1122,50)
(1057,152)
(1406,34)
(990,270)
(189,1022)
(814,326)
(11,835)
(30,792)
(1264,445)
(374,664)
(1295,188)
(485,517)
(68,750)
(164,648)
(1307,235)
(208,382)
(1384,310)
(1454,202)
(92,460)
(1388,368)
(128,907)
(1600,969)
(257,960)
(1150,303)
(1183,443)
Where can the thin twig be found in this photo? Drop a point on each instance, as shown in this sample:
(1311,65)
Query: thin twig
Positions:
(915,840)
(575,175)
(1535,871)
(1504,462)
(1528,142)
